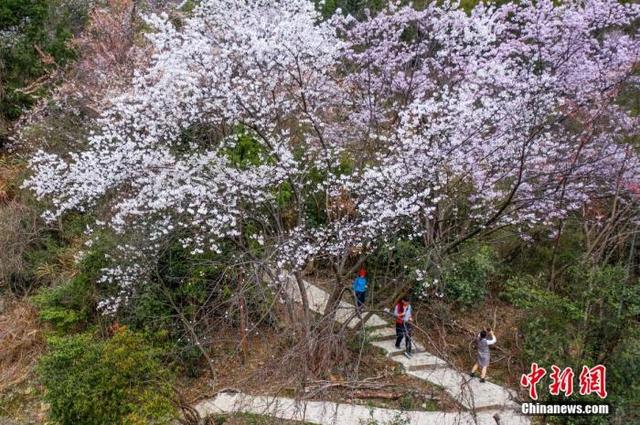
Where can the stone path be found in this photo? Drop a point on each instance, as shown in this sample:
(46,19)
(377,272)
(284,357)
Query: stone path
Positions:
(485,404)
(470,393)
(330,413)
(318,300)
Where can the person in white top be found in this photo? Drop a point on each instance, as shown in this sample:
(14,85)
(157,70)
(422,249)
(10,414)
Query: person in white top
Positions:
(484,357)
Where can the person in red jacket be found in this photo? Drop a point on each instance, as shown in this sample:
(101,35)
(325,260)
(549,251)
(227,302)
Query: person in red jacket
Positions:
(404,320)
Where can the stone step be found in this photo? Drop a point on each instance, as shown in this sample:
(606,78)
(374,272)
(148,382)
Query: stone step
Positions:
(381,333)
(371,328)
(469,392)
(388,346)
(346,312)
(419,361)
(487,399)
(375,321)
(331,413)
(318,299)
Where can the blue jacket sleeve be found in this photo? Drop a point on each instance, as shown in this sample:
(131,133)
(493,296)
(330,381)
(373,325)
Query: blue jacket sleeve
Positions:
(359,284)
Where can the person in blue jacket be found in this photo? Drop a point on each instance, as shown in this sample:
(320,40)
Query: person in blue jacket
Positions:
(360,288)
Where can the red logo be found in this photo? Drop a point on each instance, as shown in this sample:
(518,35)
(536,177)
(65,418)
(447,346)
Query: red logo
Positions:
(562,381)
(594,380)
(591,380)
(531,379)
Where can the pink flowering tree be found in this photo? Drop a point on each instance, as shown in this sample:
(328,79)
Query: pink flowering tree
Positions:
(508,116)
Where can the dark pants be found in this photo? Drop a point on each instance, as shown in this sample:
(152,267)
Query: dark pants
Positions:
(403,331)
(360,299)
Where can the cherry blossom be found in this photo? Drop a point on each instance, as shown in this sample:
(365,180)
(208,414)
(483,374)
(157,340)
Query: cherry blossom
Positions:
(453,124)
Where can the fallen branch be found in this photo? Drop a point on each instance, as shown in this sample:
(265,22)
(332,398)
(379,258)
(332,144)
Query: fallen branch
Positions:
(387,395)
(317,387)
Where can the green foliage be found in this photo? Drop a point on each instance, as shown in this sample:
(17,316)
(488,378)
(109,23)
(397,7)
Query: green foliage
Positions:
(610,301)
(248,152)
(590,318)
(406,402)
(284,194)
(465,277)
(47,24)
(536,257)
(70,306)
(48,250)
(624,378)
(400,258)
(526,293)
(148,310)
(187,292)
(552,318)
(593,315)
(67,306)
(118,381)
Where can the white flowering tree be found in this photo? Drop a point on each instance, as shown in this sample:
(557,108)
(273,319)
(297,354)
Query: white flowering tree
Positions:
(235,73)
(257,123)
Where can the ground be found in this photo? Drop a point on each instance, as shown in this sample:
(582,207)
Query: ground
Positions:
(264,370)
(384,384)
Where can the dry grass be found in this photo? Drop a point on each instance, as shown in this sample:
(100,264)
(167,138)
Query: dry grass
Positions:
(21,343)
(18,229)
(8,174)
(19,226)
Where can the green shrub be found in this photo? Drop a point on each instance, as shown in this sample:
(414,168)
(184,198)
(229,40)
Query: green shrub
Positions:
(71,305)
(550,329)
(588,319)
(118,381)
(465,277)
(407,402)
(32,26)
(67,307)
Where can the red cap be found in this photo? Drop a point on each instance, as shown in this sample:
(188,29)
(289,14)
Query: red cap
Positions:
(362,272)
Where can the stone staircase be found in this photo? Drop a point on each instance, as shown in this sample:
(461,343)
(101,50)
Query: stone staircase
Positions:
(470,393)
(331,413)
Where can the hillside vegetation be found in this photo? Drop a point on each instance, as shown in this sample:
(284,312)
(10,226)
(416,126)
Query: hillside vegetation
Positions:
(167,167)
